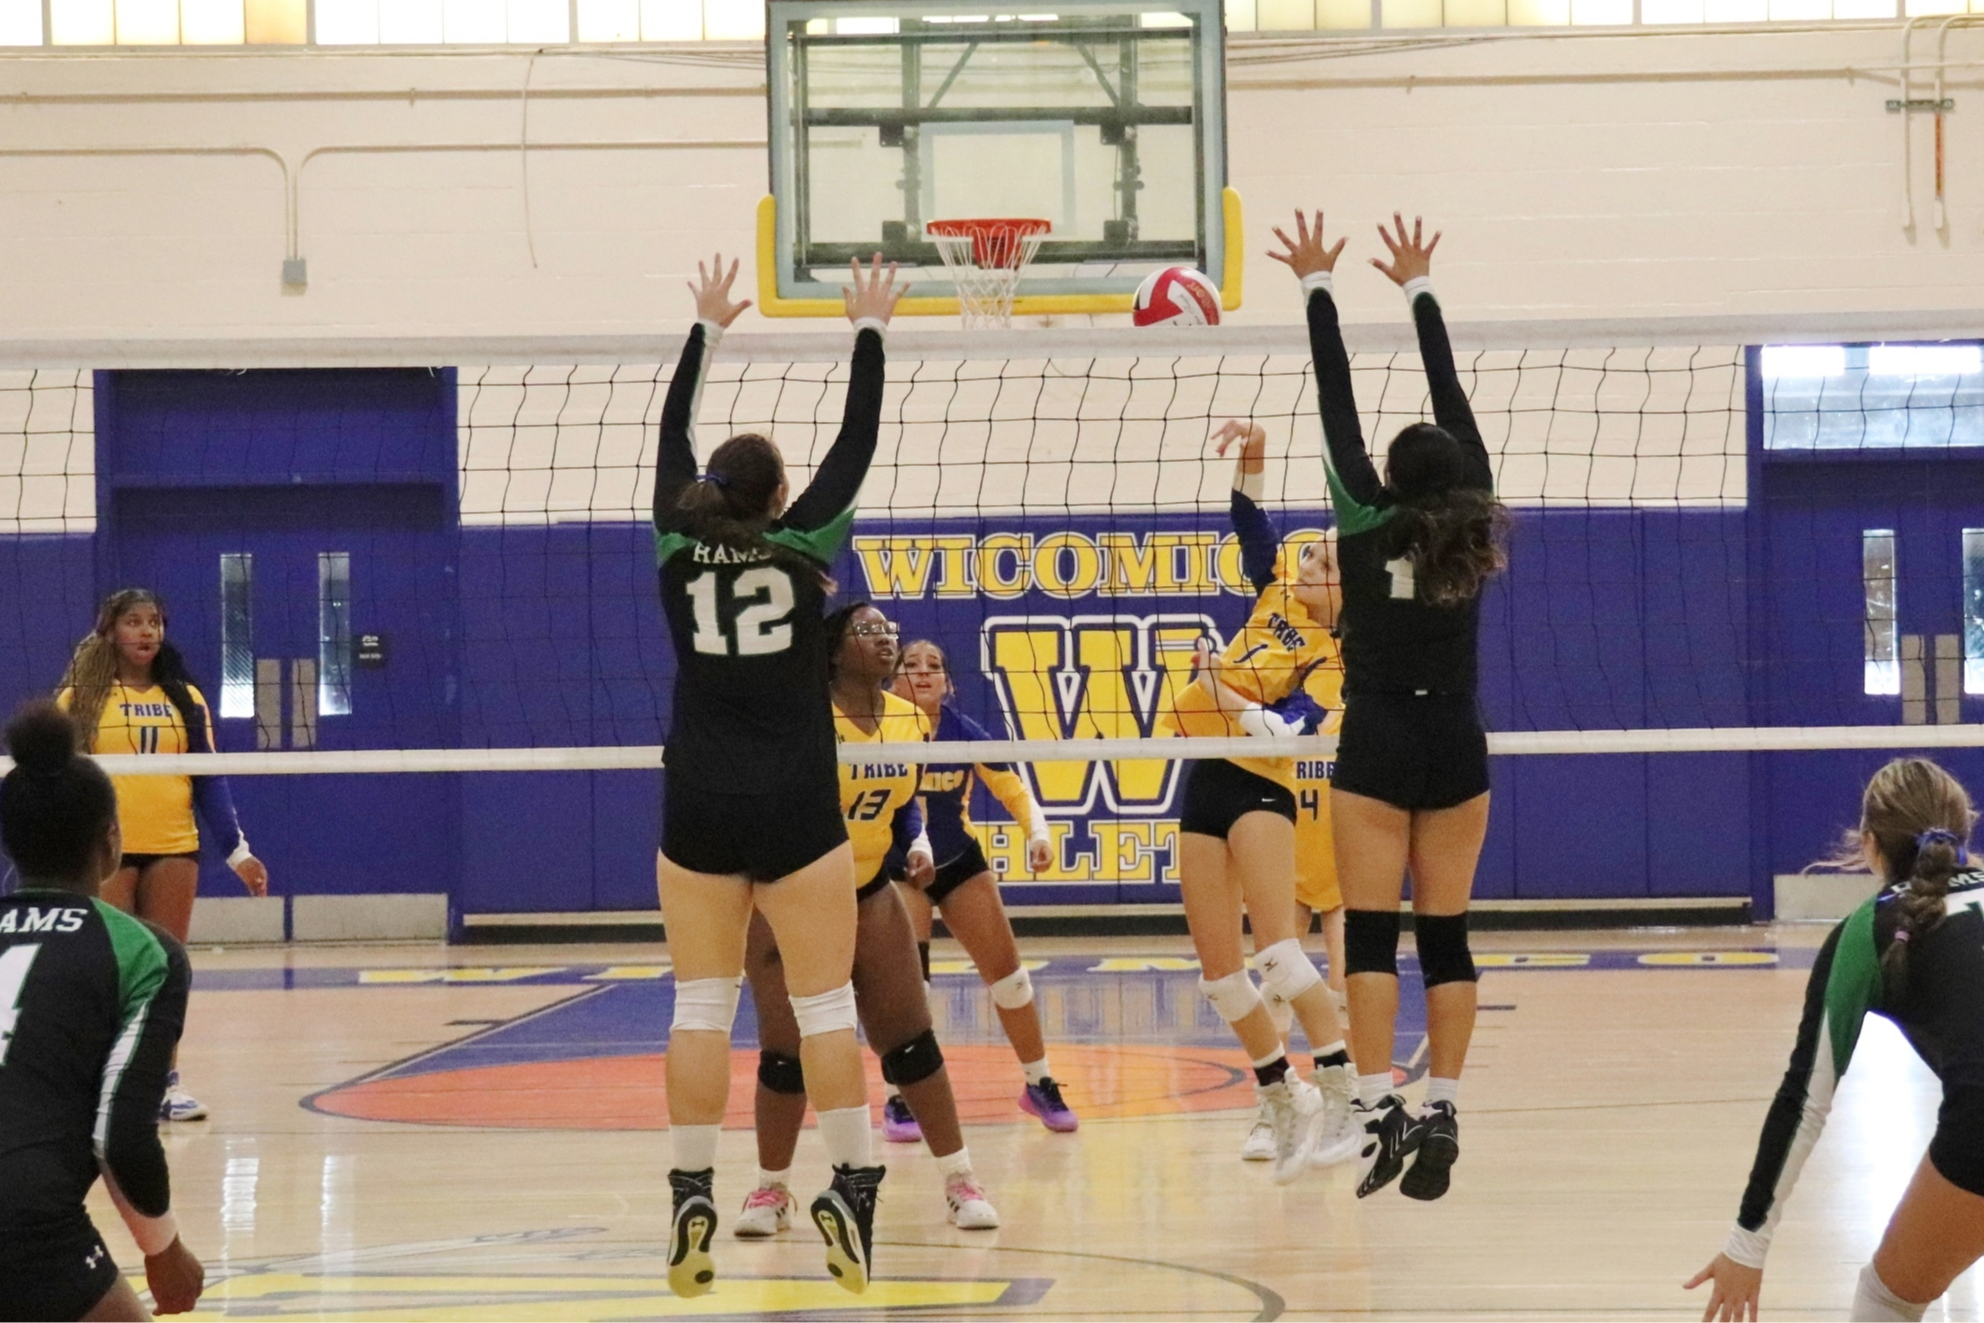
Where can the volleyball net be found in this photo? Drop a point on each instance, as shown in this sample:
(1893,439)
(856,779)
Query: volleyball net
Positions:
(1718,547)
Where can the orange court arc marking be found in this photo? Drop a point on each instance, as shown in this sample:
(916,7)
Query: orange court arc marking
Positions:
(630,1093)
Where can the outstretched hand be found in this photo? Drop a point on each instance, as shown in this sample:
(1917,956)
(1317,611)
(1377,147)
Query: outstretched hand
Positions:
(1252,436)
(1734,1296)
(712,291)
(1305,253)
(1410,258)
(877,297)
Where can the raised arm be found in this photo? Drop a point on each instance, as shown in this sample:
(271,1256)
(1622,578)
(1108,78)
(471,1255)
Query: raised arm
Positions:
(826,507)
(1260,544)
(675,464)
(1410,269)
(1355,488)
(1844,983)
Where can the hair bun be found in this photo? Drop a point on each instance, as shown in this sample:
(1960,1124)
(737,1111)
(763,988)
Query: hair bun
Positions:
(41,739)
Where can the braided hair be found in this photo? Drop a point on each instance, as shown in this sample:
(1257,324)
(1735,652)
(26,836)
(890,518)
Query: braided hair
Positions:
(92,673)
(1920,819)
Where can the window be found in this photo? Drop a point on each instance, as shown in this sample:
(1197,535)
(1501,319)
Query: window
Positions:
(334,634)
(1973,610)
(1873,397)
(237,634)
(1883,666)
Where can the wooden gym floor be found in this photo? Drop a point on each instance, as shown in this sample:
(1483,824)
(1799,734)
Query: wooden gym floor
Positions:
(419,1132)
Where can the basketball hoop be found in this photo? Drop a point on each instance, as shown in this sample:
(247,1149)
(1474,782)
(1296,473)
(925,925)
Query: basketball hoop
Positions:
(985,259)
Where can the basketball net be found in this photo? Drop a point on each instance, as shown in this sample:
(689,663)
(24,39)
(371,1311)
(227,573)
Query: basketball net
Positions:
(985,259)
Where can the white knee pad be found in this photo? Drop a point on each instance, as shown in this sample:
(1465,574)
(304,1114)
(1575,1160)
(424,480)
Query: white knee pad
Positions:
(707,1003)
(1286,969)
(1234,996)
(826,1013)
(1873,1302)
(1280,1012)
(1013,991)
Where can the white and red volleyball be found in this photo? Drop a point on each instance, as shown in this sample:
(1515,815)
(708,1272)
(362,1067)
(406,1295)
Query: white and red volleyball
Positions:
(1176,296)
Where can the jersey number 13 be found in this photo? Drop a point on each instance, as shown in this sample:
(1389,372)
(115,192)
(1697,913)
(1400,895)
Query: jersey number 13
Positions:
(760,626)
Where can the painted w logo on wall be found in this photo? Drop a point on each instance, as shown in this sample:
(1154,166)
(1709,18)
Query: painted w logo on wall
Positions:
(1093,677)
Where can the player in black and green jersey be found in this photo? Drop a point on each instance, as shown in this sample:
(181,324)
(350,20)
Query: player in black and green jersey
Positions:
(91,1004)
(1415,547)
(1913,954)
(751,815)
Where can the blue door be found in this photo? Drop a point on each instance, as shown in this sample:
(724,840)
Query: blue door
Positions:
(1874,615)
(302,529)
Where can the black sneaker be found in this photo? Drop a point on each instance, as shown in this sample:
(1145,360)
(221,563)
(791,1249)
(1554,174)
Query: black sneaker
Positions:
(1391,1135)
(845,1214)
(691,1271)
(1439,1149)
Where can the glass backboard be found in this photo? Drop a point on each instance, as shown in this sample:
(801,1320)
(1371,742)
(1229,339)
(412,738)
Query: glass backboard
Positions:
(1105,118)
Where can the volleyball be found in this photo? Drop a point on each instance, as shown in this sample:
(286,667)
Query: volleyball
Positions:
(1177,296)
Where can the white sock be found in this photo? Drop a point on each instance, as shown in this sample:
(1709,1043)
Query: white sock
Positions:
(694,1145)
(849,1141)
(1371,1089)
(1036,1071)
(1873,1302)
(1442,1090)
(957,1164)
(767,1179)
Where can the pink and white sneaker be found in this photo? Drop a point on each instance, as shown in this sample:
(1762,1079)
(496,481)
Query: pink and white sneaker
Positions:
(970,1209)
(767,1211)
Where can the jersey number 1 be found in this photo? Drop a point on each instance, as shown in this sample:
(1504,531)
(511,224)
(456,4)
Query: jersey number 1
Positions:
(14,964)
(760,627)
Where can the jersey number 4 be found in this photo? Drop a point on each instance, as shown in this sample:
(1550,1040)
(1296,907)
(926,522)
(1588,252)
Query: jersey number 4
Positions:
(760,625)
(14,962)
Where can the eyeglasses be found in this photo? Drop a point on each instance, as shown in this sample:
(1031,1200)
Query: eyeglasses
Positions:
(886,630)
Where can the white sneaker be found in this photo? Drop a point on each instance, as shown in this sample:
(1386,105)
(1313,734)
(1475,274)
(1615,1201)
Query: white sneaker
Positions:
(970,1209)
(1295,1110)
(1259,1146)
(179,1105)
(767,1211)
(1339,1136)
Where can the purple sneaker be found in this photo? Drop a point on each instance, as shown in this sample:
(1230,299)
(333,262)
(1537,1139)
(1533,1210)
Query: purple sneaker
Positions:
(1044,1101)
(898,1124)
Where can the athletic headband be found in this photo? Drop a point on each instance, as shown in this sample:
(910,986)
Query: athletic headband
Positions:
(1937,836)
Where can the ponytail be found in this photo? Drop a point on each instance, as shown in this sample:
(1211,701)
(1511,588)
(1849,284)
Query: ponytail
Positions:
(1920,818)
(56,806)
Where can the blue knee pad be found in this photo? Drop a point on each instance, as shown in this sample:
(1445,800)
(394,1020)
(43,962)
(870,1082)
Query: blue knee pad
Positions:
(1443,953)
(1370,942)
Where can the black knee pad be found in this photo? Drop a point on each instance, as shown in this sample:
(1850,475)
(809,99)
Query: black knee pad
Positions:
(913,1062)
(1443,953)
(923,954)
(781,1073)
(1370,942)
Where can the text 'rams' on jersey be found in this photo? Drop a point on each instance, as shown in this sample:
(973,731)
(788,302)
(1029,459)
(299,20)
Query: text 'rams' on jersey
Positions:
(750,709)
(92,1001)
(1271,656)
(878,797)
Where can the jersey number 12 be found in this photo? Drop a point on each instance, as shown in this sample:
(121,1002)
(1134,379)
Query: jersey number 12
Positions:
(14,964)
(760,626)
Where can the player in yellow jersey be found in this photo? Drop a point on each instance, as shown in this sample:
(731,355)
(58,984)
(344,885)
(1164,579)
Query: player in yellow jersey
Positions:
(129,692)
(1236,831)
(878,800)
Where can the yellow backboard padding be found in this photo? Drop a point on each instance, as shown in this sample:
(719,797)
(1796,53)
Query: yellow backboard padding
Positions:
(1026,305)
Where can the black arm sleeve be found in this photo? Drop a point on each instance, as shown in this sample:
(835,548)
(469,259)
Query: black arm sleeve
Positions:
(1350,465)
(1259,543)
(837,483)
(1451,409)
(131,1154)
(675,465)
(1794,1095)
